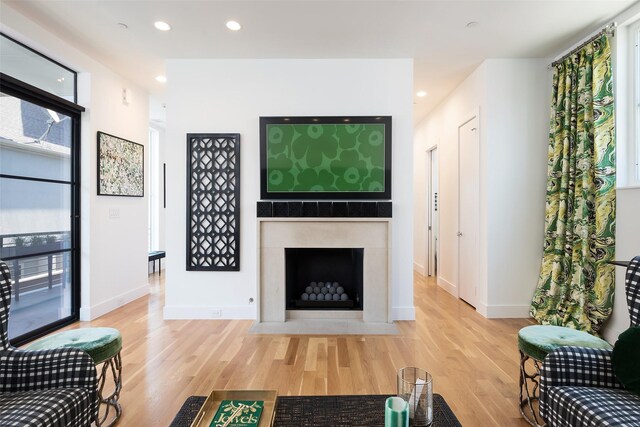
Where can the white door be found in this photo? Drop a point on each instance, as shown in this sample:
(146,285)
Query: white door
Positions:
(468,213)
(432,213)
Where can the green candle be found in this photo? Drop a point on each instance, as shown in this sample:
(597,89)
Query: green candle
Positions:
(396,412)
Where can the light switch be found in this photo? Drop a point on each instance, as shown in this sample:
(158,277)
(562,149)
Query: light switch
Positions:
(114,213)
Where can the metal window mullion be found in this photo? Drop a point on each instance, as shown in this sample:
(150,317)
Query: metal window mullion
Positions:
(31,178)
(38,254)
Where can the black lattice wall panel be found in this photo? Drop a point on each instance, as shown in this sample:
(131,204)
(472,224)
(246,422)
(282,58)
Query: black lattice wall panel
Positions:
(213,202)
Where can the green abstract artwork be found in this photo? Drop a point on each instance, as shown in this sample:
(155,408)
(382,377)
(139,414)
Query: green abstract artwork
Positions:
(325,157)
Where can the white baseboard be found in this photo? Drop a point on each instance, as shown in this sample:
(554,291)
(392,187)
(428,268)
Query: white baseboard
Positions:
(448,286)
(481,308)
(95,311)
(205,312)
(403,313)
(504,311)
(419,268)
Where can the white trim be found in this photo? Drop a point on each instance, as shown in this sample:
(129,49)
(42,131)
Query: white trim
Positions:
(93,312)
(503,311)
(481,308)
(181,312)
(447,286)
(625,57)
(403,313)
(419,268)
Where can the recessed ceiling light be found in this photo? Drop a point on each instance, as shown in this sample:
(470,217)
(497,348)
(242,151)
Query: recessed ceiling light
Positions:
(472,24)
(161,79)
(234,25)
(162,26)
(421,93)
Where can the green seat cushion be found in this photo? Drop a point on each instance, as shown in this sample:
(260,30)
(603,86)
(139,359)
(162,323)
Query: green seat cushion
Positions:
(539,340)
(625,358)
(100,343)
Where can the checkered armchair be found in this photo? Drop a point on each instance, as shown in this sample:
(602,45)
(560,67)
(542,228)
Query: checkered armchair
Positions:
(42,388)
(578,386)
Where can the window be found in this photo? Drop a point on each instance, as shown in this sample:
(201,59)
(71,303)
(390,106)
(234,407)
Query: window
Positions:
(626,68)
(39,192)
(29,66)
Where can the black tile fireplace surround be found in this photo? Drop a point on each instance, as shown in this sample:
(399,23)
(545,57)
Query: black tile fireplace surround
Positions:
(335,273)
(323,209)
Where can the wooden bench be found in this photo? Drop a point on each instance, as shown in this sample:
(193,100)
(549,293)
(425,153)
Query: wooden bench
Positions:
(157,256)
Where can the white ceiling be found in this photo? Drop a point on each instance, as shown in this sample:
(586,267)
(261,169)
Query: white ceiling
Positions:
(434,33)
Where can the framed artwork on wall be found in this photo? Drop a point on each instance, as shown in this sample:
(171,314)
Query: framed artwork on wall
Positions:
(346,157)
(120,167)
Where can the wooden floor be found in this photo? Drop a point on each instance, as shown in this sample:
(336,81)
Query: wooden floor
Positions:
(473,360)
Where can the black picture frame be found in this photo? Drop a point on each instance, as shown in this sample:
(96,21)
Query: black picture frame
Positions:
(114,183)
(385,194)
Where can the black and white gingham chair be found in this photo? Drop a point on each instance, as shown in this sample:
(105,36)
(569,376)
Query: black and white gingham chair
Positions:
(578,386)
(45,387)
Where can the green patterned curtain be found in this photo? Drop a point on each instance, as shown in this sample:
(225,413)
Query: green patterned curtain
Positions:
(576,284)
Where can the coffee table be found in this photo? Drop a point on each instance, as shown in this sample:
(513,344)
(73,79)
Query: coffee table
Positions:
(327,411)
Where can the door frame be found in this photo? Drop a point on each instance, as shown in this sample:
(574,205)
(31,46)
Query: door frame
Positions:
(474,114)
(24,91)
(430,265)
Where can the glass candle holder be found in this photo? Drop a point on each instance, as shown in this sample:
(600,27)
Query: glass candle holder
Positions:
(415,386)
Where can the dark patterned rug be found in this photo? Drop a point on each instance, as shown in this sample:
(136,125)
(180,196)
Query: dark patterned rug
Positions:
(327,411)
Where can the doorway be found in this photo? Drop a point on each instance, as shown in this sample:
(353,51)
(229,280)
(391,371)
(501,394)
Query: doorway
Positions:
(432,212)
(39,201)
(468,209)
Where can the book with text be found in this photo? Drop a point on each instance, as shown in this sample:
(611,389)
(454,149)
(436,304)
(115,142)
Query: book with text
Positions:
(238,413)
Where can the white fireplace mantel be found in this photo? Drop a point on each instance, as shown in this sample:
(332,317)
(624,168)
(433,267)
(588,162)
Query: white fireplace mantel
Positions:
(371,234)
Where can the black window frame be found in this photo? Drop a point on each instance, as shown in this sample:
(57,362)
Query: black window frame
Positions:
(19,89)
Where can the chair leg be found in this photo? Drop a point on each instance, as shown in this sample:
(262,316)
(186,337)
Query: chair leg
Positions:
(530,395)
(112,366)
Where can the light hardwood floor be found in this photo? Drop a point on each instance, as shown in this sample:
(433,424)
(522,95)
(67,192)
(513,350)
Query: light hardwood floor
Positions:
(473,360)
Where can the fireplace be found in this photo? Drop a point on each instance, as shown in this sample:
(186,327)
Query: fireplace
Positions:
(276,235)
(324,278)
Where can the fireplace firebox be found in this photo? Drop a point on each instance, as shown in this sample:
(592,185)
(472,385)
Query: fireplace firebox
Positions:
(324,278)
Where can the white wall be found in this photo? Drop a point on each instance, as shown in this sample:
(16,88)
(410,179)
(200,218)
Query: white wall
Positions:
(116,248)
(512,98)
(114,251)
(517,134)
(230,96)
(627,247)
